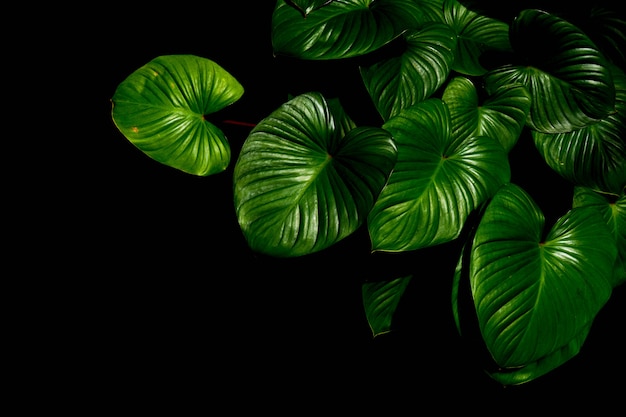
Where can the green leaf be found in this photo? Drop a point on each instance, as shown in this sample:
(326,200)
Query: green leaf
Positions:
(436,182)
(534,297)
(381,300)
(501,116)
(613,209)
(161,109)
(568,77)
(402,81)
(307,6)
(593,156)
(306,177)
(476,34)
(341,29)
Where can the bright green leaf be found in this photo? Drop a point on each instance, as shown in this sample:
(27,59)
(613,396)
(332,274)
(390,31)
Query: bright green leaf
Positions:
(437,180)
(161,109)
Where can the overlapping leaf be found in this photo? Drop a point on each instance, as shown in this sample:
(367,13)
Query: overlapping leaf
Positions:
(306,177)
(534,296)
(501,116)
(613,209)
(593,156)
(161,108)
(568,77)
(341,29)
(476,34)
(402,81)
(437,181)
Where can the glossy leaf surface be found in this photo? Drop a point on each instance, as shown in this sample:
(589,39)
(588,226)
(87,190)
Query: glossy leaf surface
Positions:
(613,209)
(306,177)
(501,116)
(534,296)
(161,109)
(399,82)
(341,29)
(567,76)
(381,300)
(436,182)
(593,156)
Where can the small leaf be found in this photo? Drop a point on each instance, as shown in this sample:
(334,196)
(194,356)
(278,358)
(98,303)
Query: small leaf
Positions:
(161,109)
(381,300)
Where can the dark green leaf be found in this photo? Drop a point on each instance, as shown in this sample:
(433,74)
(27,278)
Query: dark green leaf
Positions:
(533,297)
(381,300)
(303,182)
(402,81)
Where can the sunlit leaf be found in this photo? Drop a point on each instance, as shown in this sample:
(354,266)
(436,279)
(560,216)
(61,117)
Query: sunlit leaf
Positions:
(303,181)
(161,109)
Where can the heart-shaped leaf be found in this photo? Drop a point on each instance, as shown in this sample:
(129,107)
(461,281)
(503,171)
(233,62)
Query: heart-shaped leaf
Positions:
(161,109)
(501,116)
(402,81)
(437,180)
(593,156)
(340,29)
(533,297)
(381,299)
(568,77)
(303,180)
(476,34)
(613,209)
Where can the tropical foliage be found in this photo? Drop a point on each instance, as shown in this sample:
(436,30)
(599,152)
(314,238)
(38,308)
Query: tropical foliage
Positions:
(462,84)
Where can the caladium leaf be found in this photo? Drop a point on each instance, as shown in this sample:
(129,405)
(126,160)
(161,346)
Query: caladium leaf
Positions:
(613,209)
(437,180)
(568,77)
(593,156)
(476,34)
(381,299)
(161,109)
(532,296)
(303,181)
(399,82)
(340,29)
(502,115)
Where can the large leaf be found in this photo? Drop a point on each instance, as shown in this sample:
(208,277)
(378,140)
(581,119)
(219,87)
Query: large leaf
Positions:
(476,35)
(340,29)
(613,209)
(593,156)
(502,115)
(306,179)
(380,300)
(161,109)
(568,77)
(437,180)
(402,81)
(535,296)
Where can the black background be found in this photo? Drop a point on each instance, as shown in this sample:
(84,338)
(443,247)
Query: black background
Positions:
(174,308)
